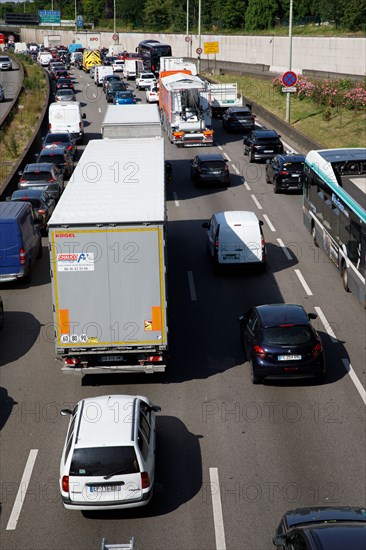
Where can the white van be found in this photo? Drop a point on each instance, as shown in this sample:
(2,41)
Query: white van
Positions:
(133,68)
(100,72)
(65,116)
(235,238)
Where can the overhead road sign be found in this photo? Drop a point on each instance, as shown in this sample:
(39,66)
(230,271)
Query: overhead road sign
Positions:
(289,79)
(49,17)
(21,19)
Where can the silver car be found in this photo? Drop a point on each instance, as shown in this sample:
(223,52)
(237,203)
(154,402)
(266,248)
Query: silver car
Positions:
(5,63)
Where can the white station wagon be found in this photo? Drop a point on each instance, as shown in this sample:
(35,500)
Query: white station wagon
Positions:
(108,460)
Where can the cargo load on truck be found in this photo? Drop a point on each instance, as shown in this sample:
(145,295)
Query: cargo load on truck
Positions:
(224,96)
(184,101)
(133,121)
(107,253)
(171,63)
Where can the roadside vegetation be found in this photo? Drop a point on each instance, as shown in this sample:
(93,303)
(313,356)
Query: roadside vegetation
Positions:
(21,122)
(333,113)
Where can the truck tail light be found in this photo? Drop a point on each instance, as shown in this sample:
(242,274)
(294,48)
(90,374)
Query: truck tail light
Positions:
(178,134)
(72,361)
(65,484)
(22,256)
(259,352)
(208,133)
(145,480)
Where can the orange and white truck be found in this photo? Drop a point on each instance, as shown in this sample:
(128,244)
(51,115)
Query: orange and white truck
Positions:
(184,101)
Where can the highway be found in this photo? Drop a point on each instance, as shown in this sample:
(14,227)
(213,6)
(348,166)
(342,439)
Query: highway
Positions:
(10,81)
(231,457)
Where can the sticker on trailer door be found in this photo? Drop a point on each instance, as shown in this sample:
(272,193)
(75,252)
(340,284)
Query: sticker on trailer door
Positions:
(75,262)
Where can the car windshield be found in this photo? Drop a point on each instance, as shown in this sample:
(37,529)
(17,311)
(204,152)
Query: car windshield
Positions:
(287,335)
(38,176)
(293,166)
(101,461)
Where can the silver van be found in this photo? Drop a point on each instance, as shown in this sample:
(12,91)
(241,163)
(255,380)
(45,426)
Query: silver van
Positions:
(235,238)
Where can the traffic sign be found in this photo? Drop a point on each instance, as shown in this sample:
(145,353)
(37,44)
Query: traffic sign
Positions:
(115,37)
(289,79)
(79,21)
(187,39)
(287,90)
(49,17)
(11,38)
(211,47)
(199,51)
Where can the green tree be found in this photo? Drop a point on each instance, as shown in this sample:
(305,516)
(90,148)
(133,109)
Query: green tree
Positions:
(354,15)
(131,12)
(261,14)
(92,10)
(157,14)
(233,14)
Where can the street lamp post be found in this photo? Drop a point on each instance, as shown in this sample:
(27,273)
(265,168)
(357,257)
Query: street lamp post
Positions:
(76,17)
(199,37)
(114,16)
(187,28)
(288,94)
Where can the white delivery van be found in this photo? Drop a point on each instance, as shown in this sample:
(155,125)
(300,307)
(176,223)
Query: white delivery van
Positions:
(100,72)
(44,58)
(133,68)
(235,238)
(65,116)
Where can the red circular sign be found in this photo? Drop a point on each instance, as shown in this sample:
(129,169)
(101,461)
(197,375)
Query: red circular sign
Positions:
(289,79)
(187,39)
(115,37)
(199,51)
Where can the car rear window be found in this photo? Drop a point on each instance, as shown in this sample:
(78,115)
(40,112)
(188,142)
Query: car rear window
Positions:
(55,159)
(268,140)
(38,176)
(291,335)
(241,114)
(214,164)
(57,138)
(101,461)
(293,166)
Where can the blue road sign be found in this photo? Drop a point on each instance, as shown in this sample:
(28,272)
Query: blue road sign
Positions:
(79,21)
(289,79)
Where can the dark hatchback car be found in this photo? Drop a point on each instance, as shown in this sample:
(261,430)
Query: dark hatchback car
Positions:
(42,204)
(61,157)
(45,176)
(284,172)
(63,82)
(114,87)
(60,73)
(210,169)
(61,139)
(238,119)
(279,340)
(109,78)
(262,144)
(323,528)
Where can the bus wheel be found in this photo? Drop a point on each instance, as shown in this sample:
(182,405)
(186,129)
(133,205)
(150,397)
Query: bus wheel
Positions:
(345,278)
(313,234)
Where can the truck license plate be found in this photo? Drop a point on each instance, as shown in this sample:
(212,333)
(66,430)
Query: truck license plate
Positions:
(108,358)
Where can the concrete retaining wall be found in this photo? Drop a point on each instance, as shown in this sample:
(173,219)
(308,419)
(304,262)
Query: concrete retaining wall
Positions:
(331,55)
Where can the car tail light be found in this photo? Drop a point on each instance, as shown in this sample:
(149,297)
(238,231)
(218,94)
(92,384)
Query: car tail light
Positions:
(283,173)
(263,249)
(145,480)
(50,125)
(216,245)
(65,484)
(317,349)
(259,352)
(51,180)
(41,211)
(69,147)
(72,361)
(22,256)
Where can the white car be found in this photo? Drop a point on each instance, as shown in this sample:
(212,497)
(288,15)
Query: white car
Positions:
(5,63)
(118,65)
(145,80)
(152,94)
(108,460)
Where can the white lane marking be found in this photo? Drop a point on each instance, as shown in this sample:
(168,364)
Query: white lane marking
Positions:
(227,157)
(191,286)
(326,325)
(359,387)
(99,109)
(247,186)
(176,201)
(256,202)
(288,148)
(94,95)
(303,282)
(284,249)
(235,168)
(270,225)
(220,147)
(19,499)
(217,510)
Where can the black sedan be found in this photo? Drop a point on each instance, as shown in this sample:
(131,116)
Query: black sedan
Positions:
(279,341)
(262,144)
(42,204)
(62,139)
(238,119)
(284,172)
(64,83)
(61,157)
(107,79)
(210,169)
(323,528)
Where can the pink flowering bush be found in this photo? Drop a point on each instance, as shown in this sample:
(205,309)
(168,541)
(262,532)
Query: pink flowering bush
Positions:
(331,93)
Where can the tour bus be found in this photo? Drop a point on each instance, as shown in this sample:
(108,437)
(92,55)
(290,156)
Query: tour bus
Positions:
(150,52)
(334,211)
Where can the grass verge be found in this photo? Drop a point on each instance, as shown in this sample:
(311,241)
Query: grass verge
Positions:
(19,125)
(332,127)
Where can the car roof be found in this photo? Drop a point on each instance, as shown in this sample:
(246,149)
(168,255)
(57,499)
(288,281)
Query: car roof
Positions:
(237,217)
(265,133)
(10,210)
(31,193)
(338,536)
(38,167)
(210,156)
(107,420)
(292,158)
(303,516)
(273,315)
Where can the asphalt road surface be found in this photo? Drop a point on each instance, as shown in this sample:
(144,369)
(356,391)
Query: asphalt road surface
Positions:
(10,81)
(231,457)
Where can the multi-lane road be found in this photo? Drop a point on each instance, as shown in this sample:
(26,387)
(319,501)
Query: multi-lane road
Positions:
(10,81)
(231,457)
